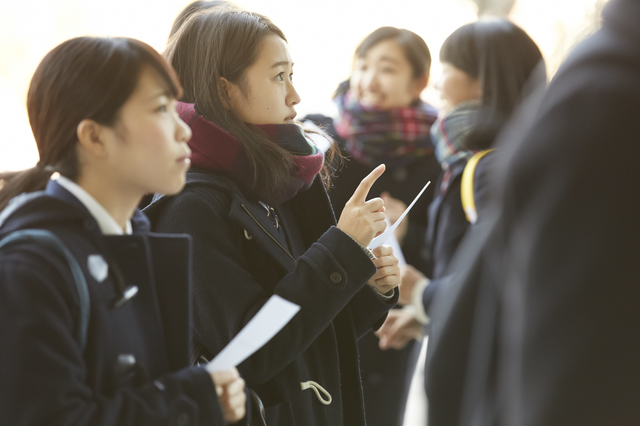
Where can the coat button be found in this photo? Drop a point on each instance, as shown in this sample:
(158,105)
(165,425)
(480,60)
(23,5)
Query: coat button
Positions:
(335,278)
(183,419)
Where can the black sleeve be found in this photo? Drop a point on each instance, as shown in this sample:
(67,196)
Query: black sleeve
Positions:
(44,374)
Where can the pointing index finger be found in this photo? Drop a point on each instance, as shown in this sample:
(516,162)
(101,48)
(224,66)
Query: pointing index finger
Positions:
(361,192)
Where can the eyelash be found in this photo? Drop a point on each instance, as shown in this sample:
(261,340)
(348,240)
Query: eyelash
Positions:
(281,76)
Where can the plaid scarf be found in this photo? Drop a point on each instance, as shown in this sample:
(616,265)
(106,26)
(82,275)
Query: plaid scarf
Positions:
(396,137)
(215,149)
(450,131)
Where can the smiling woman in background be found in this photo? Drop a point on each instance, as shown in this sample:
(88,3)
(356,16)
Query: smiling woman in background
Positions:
(383,120)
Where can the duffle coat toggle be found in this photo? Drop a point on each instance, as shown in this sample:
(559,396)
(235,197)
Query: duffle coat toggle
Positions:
(317,389)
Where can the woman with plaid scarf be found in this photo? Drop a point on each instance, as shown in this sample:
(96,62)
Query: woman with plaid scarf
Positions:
(383,120)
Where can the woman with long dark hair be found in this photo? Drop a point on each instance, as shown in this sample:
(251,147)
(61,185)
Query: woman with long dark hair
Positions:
(256,206)
(486,66)
(95,309)
(383,120)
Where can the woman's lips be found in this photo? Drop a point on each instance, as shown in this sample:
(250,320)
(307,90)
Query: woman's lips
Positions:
(291,117)
(185,160)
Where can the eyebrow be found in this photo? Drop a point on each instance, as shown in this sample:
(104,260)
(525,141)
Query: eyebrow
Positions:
(159,94)
(280,63)
(389,59)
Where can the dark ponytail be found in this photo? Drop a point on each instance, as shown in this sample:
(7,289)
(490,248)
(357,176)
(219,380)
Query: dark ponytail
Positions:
(82,78)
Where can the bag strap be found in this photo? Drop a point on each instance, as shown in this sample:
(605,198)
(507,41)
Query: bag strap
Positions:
(466,186)
(51,241)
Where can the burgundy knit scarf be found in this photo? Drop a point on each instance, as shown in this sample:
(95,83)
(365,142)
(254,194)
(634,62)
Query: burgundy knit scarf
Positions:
(216,150)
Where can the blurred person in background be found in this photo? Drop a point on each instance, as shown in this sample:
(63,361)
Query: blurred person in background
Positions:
(486,66)
(256,206)
(571,300)
(95,309)
(383,120)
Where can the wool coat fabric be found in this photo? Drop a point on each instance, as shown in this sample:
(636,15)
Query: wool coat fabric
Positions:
(452,352)
(46,378)
(561,310)
(569,342)
(241,259)
(386,375)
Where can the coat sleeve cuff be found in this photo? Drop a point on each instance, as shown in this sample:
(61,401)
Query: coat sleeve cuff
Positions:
(349,254)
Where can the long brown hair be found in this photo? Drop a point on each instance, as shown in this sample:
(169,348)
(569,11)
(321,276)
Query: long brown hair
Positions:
(82,78)
(224,42)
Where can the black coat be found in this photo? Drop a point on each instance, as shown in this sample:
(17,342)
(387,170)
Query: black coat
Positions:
(45,376)
(570,346)
(241,259)
(460,370)
(566,301)
(462,329)
(387,375)
(447,226)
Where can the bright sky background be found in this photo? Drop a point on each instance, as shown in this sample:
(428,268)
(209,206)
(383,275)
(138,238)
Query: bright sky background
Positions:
(322,37)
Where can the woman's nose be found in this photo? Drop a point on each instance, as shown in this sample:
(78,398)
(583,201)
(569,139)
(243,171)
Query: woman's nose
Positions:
(369,80)
(183,131)
(293,96)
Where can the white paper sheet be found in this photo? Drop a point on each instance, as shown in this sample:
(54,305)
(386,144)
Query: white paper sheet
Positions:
(381,239)
(270,319)
(395,245)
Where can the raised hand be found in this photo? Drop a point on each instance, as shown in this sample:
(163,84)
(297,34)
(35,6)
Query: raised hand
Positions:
(363,219)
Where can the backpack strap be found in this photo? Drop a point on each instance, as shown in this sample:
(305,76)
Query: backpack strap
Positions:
(466,186)
(50,240)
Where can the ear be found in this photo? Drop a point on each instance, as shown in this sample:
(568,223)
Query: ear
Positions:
(91,138)
(229,90)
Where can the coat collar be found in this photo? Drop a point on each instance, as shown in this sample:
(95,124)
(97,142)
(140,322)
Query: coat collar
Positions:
(107,223)
(139,222)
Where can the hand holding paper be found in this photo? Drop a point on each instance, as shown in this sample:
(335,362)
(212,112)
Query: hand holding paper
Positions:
(381,239)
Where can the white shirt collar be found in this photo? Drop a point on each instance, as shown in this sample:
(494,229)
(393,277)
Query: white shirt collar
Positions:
(107,223)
